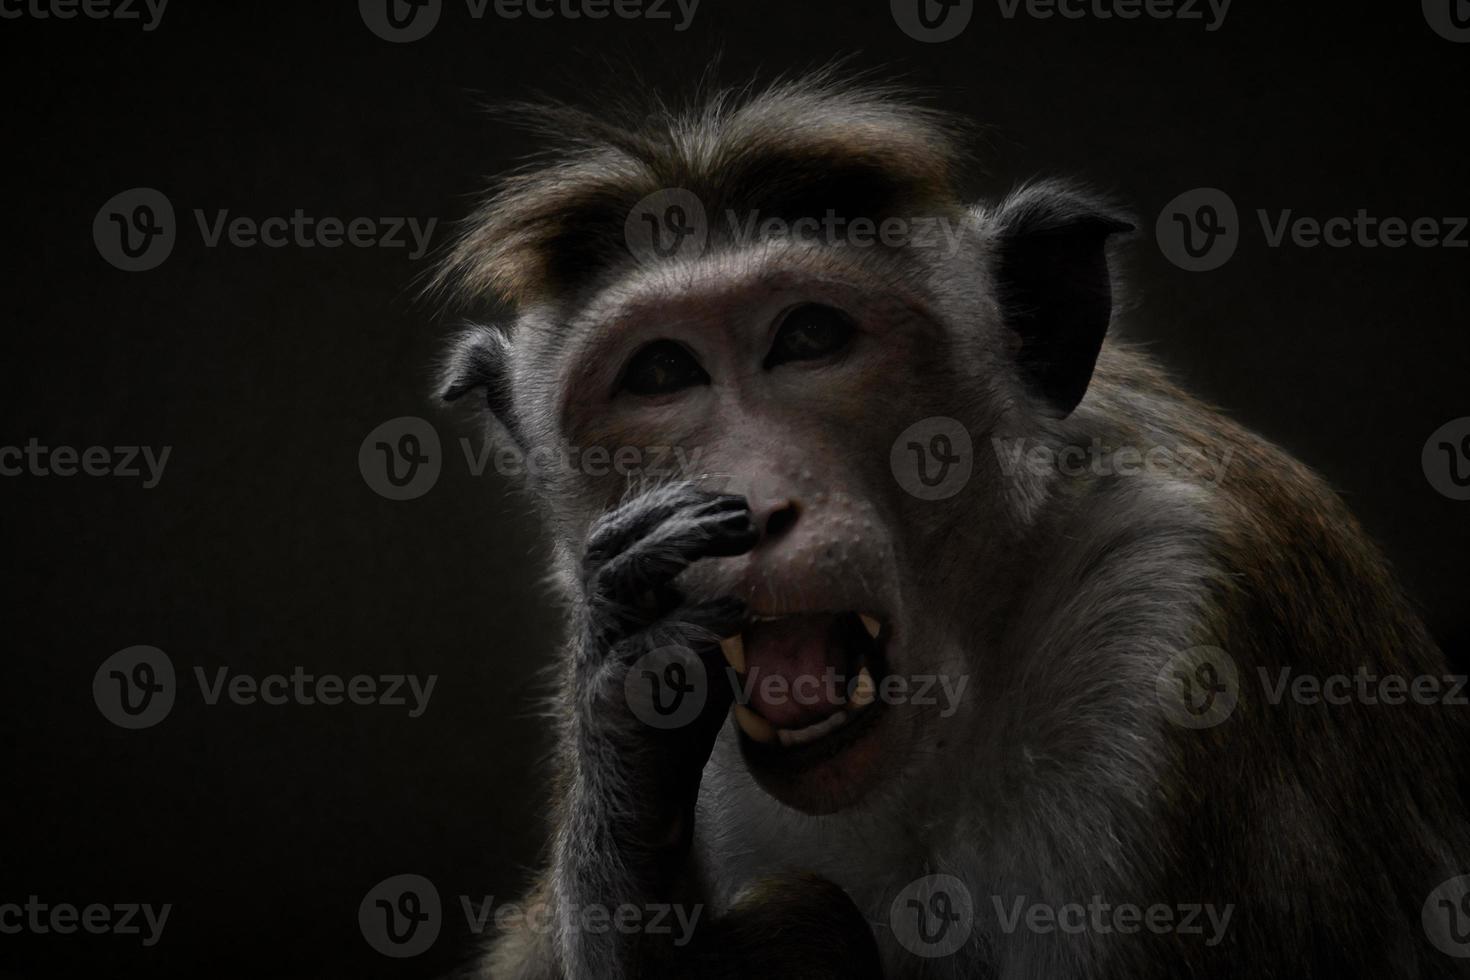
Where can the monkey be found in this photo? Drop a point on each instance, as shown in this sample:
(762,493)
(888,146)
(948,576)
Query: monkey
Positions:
(909,464)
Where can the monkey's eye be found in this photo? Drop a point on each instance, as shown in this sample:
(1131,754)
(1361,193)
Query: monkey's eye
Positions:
(809,333)
(660,368)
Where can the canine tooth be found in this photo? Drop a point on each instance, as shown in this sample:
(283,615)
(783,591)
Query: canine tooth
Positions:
(871,625)
(863,689)
(754,725)
(733,647)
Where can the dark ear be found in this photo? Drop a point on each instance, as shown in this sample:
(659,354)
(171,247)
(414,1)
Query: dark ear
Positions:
(1055,288)
(479,361)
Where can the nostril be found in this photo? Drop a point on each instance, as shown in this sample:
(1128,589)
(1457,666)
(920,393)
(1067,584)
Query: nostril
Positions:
(781,520)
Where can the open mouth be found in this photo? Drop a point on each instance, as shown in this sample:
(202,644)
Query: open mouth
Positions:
(809,684)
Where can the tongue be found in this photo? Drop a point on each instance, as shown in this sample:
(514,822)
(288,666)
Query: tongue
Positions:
(796,668)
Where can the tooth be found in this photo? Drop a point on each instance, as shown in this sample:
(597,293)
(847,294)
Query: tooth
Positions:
(754,725)
(811,733)
(863,690)
(733,648)
(871,625)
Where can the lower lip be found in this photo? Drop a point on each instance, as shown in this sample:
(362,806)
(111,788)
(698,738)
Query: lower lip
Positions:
(803,758)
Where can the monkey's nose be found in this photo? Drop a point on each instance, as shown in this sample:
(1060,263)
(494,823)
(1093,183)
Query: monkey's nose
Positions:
(776,518)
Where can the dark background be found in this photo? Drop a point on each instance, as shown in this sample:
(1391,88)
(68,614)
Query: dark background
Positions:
(263,549)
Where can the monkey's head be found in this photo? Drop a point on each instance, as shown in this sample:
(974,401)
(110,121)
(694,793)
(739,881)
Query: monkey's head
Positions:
(786,296)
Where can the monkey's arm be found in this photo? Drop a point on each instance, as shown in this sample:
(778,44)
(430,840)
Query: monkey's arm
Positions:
(626,807)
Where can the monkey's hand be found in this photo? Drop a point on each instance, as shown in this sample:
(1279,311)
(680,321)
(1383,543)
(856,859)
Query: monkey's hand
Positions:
(648,693)
(649,681)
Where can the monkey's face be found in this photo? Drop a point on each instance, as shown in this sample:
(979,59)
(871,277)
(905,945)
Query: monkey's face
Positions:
(785,378)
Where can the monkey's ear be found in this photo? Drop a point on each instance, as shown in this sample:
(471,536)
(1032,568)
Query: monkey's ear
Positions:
(1055,287)
(479,361)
